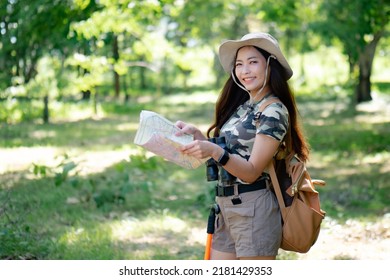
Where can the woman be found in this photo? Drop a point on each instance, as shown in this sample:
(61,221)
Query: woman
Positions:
(249,223)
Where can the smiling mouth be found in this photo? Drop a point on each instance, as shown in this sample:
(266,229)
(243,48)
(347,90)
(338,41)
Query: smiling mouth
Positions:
(249,79)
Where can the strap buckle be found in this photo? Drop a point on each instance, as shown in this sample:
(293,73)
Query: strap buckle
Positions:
(219,190)
(236,200)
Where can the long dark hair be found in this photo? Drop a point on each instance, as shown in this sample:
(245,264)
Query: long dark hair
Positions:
(233,96)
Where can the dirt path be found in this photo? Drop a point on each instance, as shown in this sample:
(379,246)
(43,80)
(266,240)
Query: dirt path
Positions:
(353,241)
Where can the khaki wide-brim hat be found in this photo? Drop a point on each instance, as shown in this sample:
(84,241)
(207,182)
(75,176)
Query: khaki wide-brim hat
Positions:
(228,50)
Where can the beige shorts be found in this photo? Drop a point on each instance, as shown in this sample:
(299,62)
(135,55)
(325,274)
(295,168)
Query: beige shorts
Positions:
(252,228)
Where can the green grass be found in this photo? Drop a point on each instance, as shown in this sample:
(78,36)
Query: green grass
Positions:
(141,207)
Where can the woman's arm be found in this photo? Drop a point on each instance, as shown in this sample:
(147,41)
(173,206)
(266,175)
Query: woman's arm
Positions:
(248,171)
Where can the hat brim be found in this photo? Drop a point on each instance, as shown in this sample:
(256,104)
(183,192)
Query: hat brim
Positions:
(228,51)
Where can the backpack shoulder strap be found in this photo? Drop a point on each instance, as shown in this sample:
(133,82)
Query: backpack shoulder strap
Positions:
(271,165)
(277,189)
(268,102)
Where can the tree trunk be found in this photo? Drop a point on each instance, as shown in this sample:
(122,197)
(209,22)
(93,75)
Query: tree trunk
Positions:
(115,50)
(46,109)
(366,58)
(352,68)
(142,78)
(116,84)
(125,90)
(94,101)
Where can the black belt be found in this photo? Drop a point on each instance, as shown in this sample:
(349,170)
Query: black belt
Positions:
(242,188)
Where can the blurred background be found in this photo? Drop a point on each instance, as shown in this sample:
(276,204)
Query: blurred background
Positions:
(75,74)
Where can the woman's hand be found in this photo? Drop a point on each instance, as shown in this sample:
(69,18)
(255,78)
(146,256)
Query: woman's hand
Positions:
(186,128)
(202,149)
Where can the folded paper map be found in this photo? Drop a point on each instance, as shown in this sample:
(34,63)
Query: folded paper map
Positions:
(157,134)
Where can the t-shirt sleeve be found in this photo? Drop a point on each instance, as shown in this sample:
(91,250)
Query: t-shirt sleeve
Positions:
(274,121)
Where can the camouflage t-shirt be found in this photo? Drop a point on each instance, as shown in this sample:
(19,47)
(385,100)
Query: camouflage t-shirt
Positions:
(240,130)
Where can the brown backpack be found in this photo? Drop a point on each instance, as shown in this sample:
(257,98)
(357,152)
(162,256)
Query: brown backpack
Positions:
(298,200)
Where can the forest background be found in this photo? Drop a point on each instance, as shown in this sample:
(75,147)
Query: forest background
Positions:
(75,74)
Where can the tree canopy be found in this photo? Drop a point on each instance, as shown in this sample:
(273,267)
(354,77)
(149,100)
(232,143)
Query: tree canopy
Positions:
(120,45)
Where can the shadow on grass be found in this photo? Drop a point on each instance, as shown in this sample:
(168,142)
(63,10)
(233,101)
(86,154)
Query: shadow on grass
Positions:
(145,208)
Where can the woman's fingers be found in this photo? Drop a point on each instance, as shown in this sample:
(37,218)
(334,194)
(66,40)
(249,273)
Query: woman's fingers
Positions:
(197,148)
(181,125)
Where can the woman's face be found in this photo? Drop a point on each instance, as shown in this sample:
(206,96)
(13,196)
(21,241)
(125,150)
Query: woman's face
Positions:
(250,68)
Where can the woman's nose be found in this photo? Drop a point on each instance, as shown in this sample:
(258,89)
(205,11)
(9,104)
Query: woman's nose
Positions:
(245,69)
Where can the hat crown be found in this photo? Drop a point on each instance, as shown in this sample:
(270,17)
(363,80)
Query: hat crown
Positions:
(261,35)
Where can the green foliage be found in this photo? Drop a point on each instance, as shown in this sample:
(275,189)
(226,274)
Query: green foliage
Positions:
(61,172)
(161,45)
(40,170)
(34,29)
(358,33)
(61,176)
(15,110)
(354,30)
(93,70)
(45,82)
